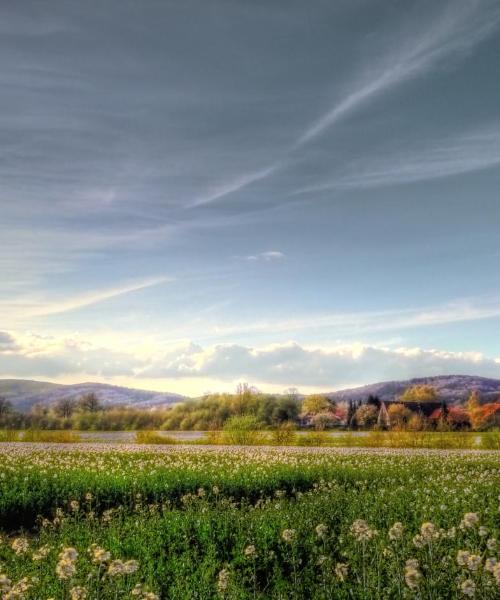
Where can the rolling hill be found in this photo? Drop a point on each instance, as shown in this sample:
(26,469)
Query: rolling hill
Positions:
(23,394)
(454,389)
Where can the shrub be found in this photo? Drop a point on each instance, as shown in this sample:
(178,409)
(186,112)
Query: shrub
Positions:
(153,437)
(284,435)
(242,430)
(313,438)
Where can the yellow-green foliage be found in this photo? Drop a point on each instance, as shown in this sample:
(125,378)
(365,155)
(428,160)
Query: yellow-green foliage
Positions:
(212,412)
(153,437)
(284,435)
(9,435)
(59,437)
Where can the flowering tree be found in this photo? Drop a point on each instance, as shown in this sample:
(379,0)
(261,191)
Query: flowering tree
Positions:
(420,393)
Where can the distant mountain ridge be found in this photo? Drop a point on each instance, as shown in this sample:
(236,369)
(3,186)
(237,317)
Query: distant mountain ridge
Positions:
(453,389)
(23,394)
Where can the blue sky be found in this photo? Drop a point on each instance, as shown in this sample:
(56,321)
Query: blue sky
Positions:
(197,193)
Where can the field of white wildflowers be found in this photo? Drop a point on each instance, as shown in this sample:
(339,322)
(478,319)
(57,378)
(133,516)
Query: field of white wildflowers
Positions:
(110,522)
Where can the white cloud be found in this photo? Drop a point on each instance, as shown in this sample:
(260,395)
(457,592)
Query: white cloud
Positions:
(267,256)
(292,364)
(32,355)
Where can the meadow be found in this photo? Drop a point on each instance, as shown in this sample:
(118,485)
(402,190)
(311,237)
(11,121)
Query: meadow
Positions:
(101,521)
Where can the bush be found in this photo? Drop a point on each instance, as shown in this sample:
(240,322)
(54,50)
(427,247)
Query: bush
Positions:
(284,435)
(153,437)
(242,431)
(313,438)
(213,437)
(490,440)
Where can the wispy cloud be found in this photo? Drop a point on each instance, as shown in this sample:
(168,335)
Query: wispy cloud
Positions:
(93,297)
(235,185)
(454,31)
(460,27)
(344,324)
(463,154)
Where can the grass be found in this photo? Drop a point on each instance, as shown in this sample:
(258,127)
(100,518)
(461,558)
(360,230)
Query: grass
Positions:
(371,439)
(153,437)
(458,440)
(253,523)
(40,436)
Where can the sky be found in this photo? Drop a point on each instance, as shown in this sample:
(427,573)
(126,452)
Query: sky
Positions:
(195,193)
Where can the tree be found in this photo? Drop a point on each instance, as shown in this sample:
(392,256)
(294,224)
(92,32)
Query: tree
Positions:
(474,410)
(292,393)
(314,404)
(399,415)
(416,422)
(285,409)
(486,416)
(324,420)
(89,403)
(5,407)
(65,407)
(244,393)
(419,393)
(366,415)
(350,416)
(374,401)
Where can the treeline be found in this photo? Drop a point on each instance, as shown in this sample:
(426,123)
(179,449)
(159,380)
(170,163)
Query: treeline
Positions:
(213,411)
(85,414)
(418,409)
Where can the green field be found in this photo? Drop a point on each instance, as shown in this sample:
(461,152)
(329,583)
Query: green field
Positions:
(102,521)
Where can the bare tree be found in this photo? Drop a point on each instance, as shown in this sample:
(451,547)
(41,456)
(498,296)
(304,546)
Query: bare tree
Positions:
(65,407)
(90,402)
(5,406)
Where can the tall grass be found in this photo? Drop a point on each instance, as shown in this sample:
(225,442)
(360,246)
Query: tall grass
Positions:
(47,436)
(153,437)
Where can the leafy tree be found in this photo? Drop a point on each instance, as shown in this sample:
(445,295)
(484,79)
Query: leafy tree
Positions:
(420,393)
(416,423)
(399,415)
(366,415)
(324,420)
(314,404)
(285,409)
